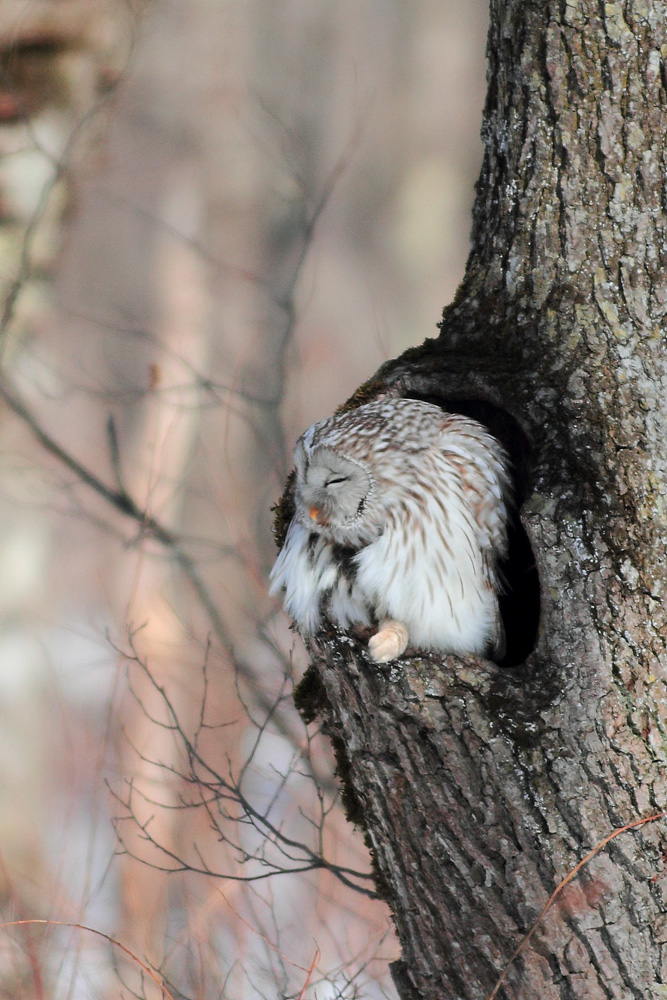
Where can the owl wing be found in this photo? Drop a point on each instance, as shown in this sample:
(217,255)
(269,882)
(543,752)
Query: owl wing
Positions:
(481,463)
(489,511)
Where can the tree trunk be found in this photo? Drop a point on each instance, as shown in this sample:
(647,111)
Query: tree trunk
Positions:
(481,788)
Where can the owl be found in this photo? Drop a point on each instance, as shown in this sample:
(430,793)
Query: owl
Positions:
(400,520)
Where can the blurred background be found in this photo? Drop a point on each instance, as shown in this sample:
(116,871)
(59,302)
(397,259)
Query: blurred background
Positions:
(216,220)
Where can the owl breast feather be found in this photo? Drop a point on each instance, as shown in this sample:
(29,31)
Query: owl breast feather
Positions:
(318,577)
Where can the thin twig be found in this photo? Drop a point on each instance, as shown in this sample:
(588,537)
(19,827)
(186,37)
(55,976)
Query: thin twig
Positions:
(559,888)
(215,780)
(150,527)
(266,941)
(316,958)
(107,937)
(121,500)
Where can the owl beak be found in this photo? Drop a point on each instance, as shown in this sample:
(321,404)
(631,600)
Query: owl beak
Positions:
(317,516)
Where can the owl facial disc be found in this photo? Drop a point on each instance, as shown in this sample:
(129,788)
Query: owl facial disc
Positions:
(332,488)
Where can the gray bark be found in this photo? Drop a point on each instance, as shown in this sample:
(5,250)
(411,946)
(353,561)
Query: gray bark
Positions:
(479,787)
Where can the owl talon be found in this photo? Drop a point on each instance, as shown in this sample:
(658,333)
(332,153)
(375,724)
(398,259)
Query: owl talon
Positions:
(389,642)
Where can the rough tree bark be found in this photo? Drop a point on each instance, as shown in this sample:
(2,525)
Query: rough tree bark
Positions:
(480,787)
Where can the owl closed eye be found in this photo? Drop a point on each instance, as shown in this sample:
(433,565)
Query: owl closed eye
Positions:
(332,489)
(400,521)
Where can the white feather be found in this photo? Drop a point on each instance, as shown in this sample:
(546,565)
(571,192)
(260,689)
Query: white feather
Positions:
(423,544)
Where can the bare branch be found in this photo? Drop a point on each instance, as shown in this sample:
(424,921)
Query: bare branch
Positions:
(213,789)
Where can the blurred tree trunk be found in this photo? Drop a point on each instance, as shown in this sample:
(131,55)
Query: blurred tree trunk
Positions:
(481,788)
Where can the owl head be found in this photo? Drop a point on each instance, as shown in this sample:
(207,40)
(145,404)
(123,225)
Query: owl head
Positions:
(332,490)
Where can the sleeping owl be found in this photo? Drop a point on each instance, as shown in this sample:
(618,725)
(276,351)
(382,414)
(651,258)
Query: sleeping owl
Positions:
(400,521)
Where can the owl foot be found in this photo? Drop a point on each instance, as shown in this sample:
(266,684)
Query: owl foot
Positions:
(389,642)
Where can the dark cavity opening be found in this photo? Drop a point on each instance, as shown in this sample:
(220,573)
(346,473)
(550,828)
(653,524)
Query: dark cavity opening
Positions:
(520,603)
